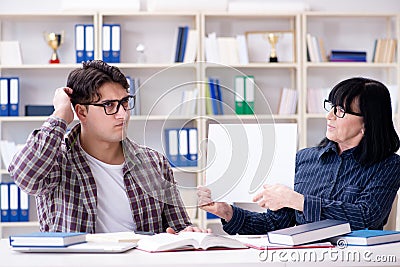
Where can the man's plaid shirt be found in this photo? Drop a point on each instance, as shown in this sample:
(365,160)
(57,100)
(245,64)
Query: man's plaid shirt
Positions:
(53,168)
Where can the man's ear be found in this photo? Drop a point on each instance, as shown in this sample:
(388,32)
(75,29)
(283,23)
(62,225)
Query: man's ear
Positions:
(81,111)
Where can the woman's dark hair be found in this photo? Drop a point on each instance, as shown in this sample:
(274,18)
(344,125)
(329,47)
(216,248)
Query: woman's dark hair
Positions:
(380,138)
(86,81)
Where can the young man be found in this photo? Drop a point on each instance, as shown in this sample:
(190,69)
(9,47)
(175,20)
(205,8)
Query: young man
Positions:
(95,179)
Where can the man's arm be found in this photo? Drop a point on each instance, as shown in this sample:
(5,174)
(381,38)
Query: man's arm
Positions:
(34,168)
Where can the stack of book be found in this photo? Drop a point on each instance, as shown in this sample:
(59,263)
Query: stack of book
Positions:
(348,56)
(384,51)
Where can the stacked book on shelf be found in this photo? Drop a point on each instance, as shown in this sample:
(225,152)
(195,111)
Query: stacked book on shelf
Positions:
(226,50)
(347,56)
(315,99)
(185,49)
(384,50)
(315,49)
(181,146)
(288,101)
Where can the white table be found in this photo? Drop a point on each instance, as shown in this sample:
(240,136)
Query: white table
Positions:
(242,257)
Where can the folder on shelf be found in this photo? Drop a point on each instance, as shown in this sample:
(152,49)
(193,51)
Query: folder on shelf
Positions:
(80,42)
(4,106)
(193,149)
(171,138)
(89,41)
(4,202)
(14,202)
(183,144)
(106,44)
(191,46)
(116,43)
(23,206)
(14,96)
(182,49)
(239,95)
(249,95)
(178,43)
(214,96)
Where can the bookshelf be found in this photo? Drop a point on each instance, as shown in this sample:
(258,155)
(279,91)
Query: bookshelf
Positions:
(345,31)
(162,81)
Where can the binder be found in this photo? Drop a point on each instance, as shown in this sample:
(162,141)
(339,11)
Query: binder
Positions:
(106,44)
(14,96)
(183,142)
(219,97)
(178,43)
(4,202)
(4,107)
(89,42)
(239,95)
(80,42)
(23,206)
(14,202)
(115,43)
(182,49)
(213,94)
(193,149)
(171,137)
(244,94)
(249,95)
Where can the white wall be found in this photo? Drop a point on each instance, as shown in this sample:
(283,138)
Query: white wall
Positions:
(25,6)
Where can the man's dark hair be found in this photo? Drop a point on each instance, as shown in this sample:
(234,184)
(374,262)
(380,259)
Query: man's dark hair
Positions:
(86,81)
(380,138)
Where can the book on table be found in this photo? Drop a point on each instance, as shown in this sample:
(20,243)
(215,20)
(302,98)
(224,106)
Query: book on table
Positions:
(187,241)
(368,237)
(261,242)
(47,239)
(310,232)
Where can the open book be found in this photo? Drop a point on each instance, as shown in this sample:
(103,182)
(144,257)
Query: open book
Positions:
(187,241)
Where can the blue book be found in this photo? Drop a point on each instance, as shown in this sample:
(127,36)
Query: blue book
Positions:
(213,95)
(310,232)
(368,237)
(47,239)
(182,49)
(178,43)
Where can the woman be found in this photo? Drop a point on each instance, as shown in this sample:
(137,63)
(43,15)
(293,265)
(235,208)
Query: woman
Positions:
(352,175)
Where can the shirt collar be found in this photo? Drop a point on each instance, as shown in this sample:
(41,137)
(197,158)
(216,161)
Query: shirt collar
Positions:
(331,147)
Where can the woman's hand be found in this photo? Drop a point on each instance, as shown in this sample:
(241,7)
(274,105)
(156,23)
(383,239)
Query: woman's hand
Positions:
(62,104)
(221,209)
(275,197)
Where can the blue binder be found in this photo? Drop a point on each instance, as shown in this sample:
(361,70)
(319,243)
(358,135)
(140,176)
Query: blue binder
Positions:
(89,42)
(13,86)
(183,144)
(23,206)
(80,42)
(106,44)
(193,148)
(14,202)
(182,49)
(4,202)
(4,106)
(213,95)
(178,43)
(116,43)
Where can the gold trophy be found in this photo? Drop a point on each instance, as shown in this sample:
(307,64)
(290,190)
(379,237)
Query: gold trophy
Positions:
(54,40)
(273,39)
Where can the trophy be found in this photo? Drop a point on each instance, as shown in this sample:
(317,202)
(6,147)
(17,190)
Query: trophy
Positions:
(273,40)
(54,40)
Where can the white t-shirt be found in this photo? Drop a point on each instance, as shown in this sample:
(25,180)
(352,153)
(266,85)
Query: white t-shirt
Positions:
(113,209)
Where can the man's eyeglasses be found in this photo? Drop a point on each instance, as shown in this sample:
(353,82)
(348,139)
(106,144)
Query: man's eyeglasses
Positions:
(111,107)
(338,110)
